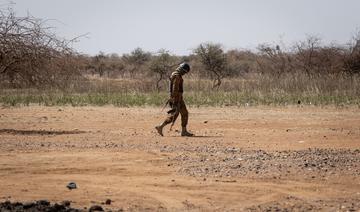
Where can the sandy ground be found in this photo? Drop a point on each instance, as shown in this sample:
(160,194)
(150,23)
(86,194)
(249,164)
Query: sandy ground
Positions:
(242,159)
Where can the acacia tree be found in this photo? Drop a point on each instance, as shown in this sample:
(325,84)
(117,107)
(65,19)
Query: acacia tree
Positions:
(116,66)
(306,53)
(135,60)
(110,65)
(161,64)
(214,61)
(31,55)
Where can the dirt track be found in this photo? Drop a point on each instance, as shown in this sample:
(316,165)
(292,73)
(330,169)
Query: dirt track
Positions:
(247,159)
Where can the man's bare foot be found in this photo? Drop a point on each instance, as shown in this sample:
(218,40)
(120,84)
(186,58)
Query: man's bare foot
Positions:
(159,130)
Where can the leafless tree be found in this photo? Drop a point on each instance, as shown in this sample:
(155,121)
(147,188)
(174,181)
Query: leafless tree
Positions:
(308,56)
(306,52)
(31,55)
(274,60)
(352,58)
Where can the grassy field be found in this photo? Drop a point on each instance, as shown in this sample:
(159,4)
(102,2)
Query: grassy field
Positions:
(215,98)
(233,92)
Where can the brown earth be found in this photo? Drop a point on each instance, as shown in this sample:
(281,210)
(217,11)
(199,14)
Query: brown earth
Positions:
(242,159)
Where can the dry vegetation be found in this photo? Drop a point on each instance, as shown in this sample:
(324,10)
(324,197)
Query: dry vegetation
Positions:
(293,158)
(38,67)
(32,56)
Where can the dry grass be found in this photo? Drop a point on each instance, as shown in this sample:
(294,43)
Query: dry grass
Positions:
(254,90)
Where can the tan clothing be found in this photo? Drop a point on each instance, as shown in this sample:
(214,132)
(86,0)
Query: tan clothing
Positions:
(177,103)
(176,86)
(174,113)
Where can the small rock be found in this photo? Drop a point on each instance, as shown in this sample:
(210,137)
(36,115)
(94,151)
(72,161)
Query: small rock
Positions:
(58,207)
(96,208)
(43,202)
(108,201)
(28,205)
(71,185)
(66,203)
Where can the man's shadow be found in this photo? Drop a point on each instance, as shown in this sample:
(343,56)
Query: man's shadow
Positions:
(199,136)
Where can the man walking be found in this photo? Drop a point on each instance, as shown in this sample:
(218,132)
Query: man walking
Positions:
(176,101)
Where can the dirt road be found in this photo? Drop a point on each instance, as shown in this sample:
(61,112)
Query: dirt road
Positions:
(247,159)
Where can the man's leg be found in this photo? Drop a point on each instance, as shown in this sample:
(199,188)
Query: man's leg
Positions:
(184,119)
(167,121)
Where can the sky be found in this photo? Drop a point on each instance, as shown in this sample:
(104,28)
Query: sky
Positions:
(119,26)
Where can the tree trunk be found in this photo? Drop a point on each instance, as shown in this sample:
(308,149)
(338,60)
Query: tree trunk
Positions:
(158,83)
(217,80)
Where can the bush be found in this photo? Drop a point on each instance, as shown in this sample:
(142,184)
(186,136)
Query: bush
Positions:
(32,56)
(214,61)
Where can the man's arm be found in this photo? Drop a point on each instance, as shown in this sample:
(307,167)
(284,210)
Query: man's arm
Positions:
(176,94)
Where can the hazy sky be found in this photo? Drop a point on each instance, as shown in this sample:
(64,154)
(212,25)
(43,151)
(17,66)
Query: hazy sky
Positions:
(119,26)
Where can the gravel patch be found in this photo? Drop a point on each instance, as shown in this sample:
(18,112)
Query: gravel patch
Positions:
(232,162)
